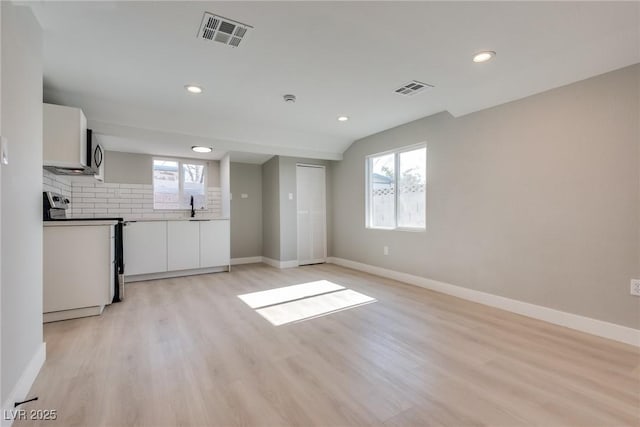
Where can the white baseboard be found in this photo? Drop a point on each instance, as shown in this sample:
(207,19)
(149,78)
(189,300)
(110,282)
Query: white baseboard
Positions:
(574,321)
(271,262)
(289,264)
(77,313)
(246,260)
(172,274)
(24,384)
(279,264)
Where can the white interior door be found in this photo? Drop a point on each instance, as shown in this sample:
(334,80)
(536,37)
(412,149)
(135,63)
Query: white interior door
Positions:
(312,214)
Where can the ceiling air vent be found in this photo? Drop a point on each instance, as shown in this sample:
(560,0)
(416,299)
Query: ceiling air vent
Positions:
(223,30)
(412,88)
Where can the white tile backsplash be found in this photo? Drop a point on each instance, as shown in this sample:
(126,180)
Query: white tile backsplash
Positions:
(131,201)
(57,183)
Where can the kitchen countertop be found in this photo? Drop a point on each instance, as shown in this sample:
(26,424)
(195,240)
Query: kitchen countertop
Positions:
(77,223)
(196,219)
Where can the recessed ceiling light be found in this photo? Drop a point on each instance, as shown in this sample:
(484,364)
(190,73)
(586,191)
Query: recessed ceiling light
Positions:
(343,118)
(483,56)
(193,88)
(201,149)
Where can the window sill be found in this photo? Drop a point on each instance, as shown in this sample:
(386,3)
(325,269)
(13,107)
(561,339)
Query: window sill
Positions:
(407,229)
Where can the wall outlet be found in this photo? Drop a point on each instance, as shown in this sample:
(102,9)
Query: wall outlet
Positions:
(386,250)
(244,196)
(635,287)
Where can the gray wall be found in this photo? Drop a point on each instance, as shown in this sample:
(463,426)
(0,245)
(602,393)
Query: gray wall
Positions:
(279,216)
(271,209)
(225,186)
(127,168)
(246,214)
(288,211)
(536,200)
(21,193)
(135,168)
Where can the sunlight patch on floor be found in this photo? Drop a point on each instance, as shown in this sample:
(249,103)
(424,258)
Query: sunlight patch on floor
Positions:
(288,293)
(296,303)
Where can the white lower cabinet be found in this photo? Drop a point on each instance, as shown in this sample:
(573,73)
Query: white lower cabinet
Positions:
(182,245)
(157,247)
(78,270)
(145,247)
(215,249)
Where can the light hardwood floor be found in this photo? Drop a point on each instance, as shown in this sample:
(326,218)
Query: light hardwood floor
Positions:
(189,352)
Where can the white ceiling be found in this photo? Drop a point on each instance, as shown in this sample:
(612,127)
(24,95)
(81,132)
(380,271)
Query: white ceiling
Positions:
(125,64)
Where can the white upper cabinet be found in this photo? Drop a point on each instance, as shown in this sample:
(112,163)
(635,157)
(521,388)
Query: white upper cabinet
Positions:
(68,147)
(64,136)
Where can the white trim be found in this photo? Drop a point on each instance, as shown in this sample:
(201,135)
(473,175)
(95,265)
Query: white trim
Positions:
(76,313)
(324,201)
(280,264)
(289,264)
(310,165)
(313,261)
(574,321)
(396,165)
(176,273)
(181,162)
(271,262)
(246,260)
(22,387)
(399,149)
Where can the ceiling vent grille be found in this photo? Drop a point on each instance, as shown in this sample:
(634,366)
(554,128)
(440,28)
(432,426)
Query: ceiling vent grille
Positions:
(412,88)
(222,30)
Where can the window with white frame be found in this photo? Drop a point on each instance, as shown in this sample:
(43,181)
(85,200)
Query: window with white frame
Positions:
(396,189)
(176,181)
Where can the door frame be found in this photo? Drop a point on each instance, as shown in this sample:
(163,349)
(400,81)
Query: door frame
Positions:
(324,237)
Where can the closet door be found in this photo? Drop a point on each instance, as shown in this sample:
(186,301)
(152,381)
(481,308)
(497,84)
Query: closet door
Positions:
(312,214)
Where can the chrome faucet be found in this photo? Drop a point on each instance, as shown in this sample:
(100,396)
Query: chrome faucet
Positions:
(193,212)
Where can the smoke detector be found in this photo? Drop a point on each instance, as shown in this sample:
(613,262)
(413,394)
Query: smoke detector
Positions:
(289,98)
(223,30)
(412,88)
